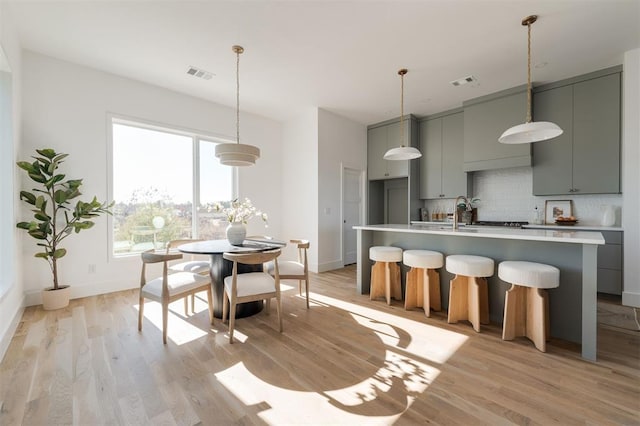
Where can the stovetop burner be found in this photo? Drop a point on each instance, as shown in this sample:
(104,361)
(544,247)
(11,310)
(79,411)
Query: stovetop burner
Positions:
(502,223)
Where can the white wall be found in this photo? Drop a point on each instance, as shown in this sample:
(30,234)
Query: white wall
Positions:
(342,143)
(300,182)
(631,177)
(12,298)
(65,106)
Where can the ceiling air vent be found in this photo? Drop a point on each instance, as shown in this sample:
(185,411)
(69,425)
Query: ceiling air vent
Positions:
(463,80)
(200,73)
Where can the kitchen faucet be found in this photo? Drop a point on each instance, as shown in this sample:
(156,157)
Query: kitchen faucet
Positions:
(455,210)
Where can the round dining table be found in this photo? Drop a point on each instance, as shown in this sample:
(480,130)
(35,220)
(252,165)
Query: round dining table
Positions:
(221,268)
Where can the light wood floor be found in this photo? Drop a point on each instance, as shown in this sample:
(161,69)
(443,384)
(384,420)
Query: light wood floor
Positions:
(346,360)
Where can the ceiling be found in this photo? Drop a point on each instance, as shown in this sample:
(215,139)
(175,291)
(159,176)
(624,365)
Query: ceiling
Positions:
(342,56)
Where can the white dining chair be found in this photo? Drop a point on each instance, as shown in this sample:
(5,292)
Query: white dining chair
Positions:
(295,270)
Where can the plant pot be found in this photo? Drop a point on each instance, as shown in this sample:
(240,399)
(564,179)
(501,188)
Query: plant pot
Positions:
(236,232)
(56,299)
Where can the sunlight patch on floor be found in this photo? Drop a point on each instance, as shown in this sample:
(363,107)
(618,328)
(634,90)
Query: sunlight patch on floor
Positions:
(179,331)
(289,406)
(429,342)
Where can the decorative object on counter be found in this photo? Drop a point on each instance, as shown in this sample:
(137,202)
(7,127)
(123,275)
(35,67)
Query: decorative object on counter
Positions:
(238,214)
(530,131)
(467,211)
(608,215)
(402,152)
(237,154)
(554,209)
(526,304)
(536,218)
(49,202)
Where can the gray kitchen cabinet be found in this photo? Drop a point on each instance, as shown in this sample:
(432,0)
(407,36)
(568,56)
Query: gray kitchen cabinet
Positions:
(610,263)
(393,189)
(585,159)
(485,119)
(380,138)
(441,164)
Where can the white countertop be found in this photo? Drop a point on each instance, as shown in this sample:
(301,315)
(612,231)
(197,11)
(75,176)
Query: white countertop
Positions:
(558,234)
(576,227)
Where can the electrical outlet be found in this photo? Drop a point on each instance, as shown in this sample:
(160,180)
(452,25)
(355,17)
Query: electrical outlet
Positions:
(92,268)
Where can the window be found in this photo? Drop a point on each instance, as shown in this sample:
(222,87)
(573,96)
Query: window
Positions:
(162,180)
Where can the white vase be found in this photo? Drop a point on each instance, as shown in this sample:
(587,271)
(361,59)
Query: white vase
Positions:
(608,215)
(236,232)
(56,299)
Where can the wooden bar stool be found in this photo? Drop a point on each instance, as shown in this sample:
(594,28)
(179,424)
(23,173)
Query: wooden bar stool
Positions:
(526,306)
(385,273)
(423,281)
(468,291)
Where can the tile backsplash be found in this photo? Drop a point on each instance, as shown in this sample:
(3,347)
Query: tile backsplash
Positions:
(505,194)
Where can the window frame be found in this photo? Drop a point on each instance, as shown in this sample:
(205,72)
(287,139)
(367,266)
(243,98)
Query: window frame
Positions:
(196,137)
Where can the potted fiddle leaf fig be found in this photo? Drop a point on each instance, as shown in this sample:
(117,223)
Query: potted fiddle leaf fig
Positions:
(54,217)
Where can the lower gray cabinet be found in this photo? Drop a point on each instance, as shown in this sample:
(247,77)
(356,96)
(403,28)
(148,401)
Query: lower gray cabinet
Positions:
(610,267)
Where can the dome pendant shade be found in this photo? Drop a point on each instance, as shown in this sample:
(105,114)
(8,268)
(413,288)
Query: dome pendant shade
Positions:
(402,153)
(237,154)
(530,131)
(534,131)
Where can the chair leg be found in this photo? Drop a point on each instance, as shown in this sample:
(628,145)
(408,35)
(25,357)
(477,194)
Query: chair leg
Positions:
(300,287)
(140,312)
(377,281)
(210,302)
(279,309)
(387,282)
(306,286)
(396,283)
(193,303)
(186,305)
(536,327)
(268,303)
(165,318)
(514,321)
(232,320)
(225,307)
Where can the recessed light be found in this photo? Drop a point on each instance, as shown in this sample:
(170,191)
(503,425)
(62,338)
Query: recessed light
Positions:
(464,80)
(200,73)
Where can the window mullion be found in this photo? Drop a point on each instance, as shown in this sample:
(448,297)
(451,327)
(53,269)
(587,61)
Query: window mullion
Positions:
(195,231)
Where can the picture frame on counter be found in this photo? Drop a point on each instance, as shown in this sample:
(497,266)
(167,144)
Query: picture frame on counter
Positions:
(557,208)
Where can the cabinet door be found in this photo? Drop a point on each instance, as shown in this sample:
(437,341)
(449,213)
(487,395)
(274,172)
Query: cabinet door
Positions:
(376,147)
(484,122)
(552,159)
(596,135)
(396,168)
(431,160)
(454,179)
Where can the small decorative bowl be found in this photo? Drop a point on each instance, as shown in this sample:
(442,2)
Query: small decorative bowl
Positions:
(566,222)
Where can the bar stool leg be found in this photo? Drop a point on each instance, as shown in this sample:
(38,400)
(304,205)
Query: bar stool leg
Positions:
(433,291)
(412,289)
(458,299)
(377,281)
(536,318)
(515,319)
(395,283)
(387,282)
(474,302)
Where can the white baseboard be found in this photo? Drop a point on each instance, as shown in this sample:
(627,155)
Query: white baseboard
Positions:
(5,339)
(34,297)
(329,266)
(631,299)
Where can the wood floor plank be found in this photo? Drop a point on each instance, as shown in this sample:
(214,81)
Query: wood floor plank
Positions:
(346,360)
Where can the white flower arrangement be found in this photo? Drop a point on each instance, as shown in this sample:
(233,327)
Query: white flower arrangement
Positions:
(239,211)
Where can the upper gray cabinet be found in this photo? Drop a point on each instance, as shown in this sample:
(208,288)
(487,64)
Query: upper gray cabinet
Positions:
(382,137)
(485,119)
(441,164)
(585,159)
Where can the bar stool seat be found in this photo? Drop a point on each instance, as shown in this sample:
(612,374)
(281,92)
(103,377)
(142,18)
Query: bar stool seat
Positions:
(385,273)
(526,306)
(423,280)
(468,290)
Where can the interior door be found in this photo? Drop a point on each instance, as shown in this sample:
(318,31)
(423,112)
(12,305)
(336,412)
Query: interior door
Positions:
(351,213)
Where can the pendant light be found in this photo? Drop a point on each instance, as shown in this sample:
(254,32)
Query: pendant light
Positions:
(237,154)
(530,131)
(402,152)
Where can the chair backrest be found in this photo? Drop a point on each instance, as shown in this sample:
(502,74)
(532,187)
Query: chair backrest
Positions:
(151,256)
(175,243)
(303,245)
(253,258)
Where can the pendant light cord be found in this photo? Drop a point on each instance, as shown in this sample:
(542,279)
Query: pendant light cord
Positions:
(402,72)
(237,96)
(529,73)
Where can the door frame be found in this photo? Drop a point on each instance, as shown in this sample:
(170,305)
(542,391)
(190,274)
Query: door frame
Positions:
(363,200)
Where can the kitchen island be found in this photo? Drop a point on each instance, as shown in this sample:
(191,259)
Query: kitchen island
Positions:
(572,306)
